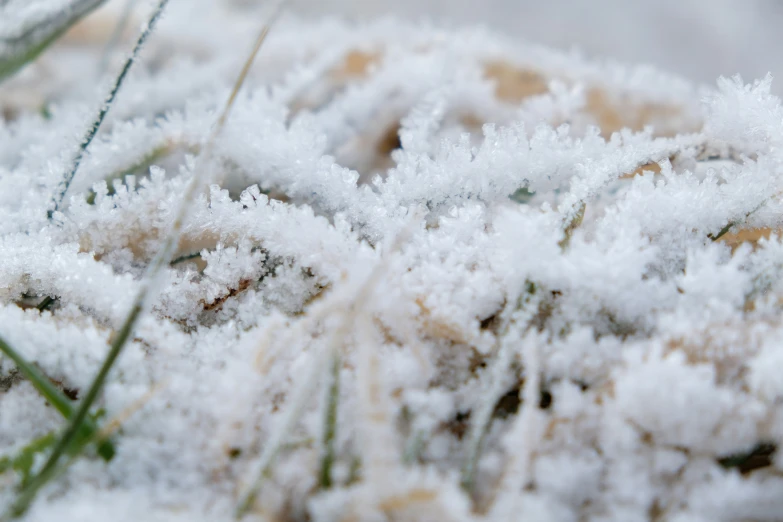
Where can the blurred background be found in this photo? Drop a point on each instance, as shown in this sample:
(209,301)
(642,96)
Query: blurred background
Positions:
(698,39)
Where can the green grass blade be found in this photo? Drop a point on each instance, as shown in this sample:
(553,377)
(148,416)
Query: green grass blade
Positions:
(24,460)
(69,442)
(521,316)
(54,396)
(35,33)
(41,383)
(75,429)
(62,188)
(330,423)
(45,303)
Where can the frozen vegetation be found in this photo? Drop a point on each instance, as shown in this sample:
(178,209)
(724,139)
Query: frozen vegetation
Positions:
(433,274)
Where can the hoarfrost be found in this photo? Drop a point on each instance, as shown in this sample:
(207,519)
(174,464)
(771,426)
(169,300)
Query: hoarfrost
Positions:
(638,214)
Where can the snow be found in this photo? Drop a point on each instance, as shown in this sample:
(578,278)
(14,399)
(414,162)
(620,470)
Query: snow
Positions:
(511,251)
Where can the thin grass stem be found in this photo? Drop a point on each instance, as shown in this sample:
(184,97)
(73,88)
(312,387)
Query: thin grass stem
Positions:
(151,275)
(37,33)
(62,188)
(39,381)
(77,420)
(54,396)
(525,432)
(520,318)
(414,447)
(116,35)
(731,224)
(266,461)
(186,257)
(572,225)
(330,423)
(96,437)
(45,303)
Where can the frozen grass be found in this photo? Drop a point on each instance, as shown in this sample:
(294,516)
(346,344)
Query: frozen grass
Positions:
(95,126)
(437,275)
(30,26)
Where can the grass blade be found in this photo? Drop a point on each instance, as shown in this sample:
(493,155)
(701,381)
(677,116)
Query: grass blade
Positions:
(116,35)
(37,33)
(330,422)
(731,224)
(77,420)
(54,396)
(300,395)
(45,303)
(526,433)
(41,383)
(25,460)
(161,259)
(62,188)
(518,320)
(69,436)
(572,225)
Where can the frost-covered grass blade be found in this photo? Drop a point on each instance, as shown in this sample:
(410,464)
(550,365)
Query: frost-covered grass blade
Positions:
(330,422)
(162,258)
(56,398)
(62,188)
(28,27)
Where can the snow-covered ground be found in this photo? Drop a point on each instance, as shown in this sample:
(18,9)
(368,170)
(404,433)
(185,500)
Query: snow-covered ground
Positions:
(439,273)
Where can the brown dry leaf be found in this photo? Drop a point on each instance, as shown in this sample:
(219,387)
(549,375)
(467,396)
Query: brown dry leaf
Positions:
(514,85)
(611,112)
(355,65)
(611,115)
(241,286)
(370,151)
(651,167)
(748,235)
